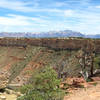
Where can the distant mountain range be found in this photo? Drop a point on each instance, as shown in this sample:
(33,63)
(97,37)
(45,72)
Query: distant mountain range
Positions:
(51,34)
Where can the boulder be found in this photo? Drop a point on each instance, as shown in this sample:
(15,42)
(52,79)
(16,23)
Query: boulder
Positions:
(8,91)
(2,98)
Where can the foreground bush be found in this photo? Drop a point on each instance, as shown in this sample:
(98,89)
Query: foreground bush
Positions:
(45,86)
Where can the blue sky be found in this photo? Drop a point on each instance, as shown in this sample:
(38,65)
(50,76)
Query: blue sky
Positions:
(50,15)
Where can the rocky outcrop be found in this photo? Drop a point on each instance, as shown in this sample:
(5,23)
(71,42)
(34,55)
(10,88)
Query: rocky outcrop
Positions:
(4,79)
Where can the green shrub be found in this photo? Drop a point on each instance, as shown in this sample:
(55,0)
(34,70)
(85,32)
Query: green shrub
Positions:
(45,86)
(95,83)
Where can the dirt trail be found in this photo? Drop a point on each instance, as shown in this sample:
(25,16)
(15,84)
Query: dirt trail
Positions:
(92,92)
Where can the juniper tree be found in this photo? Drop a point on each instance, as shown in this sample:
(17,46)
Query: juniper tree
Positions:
(44,86)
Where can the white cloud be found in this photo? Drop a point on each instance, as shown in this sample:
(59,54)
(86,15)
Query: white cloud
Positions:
(97,6)
(59,4)
(14,5)
(25,6)
(13,20)
(82,19)
(85,23)
(16,23)
(69,13)
(22,23)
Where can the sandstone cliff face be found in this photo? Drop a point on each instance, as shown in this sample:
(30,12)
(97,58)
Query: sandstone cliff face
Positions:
(69,43)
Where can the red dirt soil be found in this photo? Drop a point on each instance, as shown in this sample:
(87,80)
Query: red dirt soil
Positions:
(90,92)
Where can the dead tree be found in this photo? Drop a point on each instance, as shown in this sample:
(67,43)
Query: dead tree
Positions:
(86,59)
(59,67)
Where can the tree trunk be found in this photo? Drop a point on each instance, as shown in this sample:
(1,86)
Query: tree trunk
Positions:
(92,63)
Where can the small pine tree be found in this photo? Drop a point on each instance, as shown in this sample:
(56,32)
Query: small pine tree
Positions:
(45,86)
